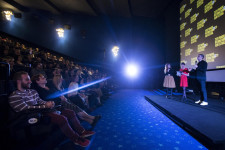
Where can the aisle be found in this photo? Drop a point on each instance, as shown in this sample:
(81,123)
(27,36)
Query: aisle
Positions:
(130,122)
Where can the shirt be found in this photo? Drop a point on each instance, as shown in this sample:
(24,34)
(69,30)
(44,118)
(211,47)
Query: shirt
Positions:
(29,99)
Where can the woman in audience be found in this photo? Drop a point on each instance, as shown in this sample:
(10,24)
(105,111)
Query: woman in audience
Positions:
(39,84)
(38,69)
(79,99)
(19,60)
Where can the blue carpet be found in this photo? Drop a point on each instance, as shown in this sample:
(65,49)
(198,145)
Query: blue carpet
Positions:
(130,122)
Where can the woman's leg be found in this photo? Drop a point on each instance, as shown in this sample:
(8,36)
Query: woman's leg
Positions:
(167,90)
(84,116)
(184,92)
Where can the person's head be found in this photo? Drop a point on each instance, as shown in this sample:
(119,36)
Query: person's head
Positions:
(200,57)
(75,78)
(182,65)
(17,51)
(167,66)
(39,79)
(38,65)
(23,80)
(57,81)
(9,60)
(38,59)
(6,50)
(19,58)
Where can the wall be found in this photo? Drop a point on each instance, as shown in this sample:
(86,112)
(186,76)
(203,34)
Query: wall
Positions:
(172,33)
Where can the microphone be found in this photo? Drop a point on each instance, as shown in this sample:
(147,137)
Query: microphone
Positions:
(196,62)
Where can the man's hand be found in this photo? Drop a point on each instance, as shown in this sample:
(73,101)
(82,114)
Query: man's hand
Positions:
(196,66)
(49,104)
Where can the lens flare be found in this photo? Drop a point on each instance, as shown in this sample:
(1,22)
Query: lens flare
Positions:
(58,94)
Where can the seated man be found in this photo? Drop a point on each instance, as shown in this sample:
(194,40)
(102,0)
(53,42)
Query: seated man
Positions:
(25,98)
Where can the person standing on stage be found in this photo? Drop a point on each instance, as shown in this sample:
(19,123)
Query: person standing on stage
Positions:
(201,68)
(169,82)
(183,79)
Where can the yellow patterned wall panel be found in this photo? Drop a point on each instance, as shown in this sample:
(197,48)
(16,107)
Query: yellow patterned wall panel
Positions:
(182,26)
(194,17)
(201,24)
(209,6)
(211,57)
(182,44)
(220,40)
(188,12)
(219,12)
(201,47)
(188,32)
(182,8)
(199,3)
(220,67)
(194,39)
(188,52)
(191,1)
(209,31)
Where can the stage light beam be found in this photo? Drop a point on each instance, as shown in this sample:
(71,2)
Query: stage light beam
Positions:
(58,94)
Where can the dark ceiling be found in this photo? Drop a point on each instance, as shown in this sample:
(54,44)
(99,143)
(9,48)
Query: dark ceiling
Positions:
(117,8)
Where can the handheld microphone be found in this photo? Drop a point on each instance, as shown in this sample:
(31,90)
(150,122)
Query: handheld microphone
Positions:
(196,62)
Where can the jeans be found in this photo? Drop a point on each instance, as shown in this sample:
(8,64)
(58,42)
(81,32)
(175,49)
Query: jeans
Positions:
(203,92)
(63,122)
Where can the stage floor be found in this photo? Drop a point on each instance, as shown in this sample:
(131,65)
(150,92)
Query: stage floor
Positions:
(204,122)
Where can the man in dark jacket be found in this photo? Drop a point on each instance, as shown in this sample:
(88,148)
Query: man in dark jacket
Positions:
(201,68)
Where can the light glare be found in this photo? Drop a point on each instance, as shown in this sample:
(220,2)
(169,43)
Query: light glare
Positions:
(132,70)
(115,50)
(60,32)
(8,15)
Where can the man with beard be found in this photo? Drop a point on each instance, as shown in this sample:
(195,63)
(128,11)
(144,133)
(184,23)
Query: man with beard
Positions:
(25,98)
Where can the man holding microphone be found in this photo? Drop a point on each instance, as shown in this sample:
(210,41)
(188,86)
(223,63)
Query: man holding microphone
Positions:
(201,68)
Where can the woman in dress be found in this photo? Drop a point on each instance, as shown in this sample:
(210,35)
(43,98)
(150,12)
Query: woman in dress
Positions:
(169,82)
(183,79)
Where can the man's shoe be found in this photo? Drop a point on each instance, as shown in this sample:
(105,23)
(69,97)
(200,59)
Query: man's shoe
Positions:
(87,133)
(198,102)
(82,142)
(204,103)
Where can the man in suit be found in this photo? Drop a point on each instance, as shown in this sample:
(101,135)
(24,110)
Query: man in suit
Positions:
(201,68)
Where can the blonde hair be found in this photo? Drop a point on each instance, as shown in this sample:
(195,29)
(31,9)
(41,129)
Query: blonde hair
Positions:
(166,67)
(57,81)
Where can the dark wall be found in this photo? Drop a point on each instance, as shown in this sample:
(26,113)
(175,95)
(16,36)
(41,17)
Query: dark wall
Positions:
(141,40)
(172,33)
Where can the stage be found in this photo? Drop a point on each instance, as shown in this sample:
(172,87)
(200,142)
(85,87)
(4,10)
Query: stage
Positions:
(205,123)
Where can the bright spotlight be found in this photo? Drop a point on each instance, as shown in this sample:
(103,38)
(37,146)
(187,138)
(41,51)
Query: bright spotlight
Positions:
(60,32)
(132,70)
(115,50)
(8,15)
